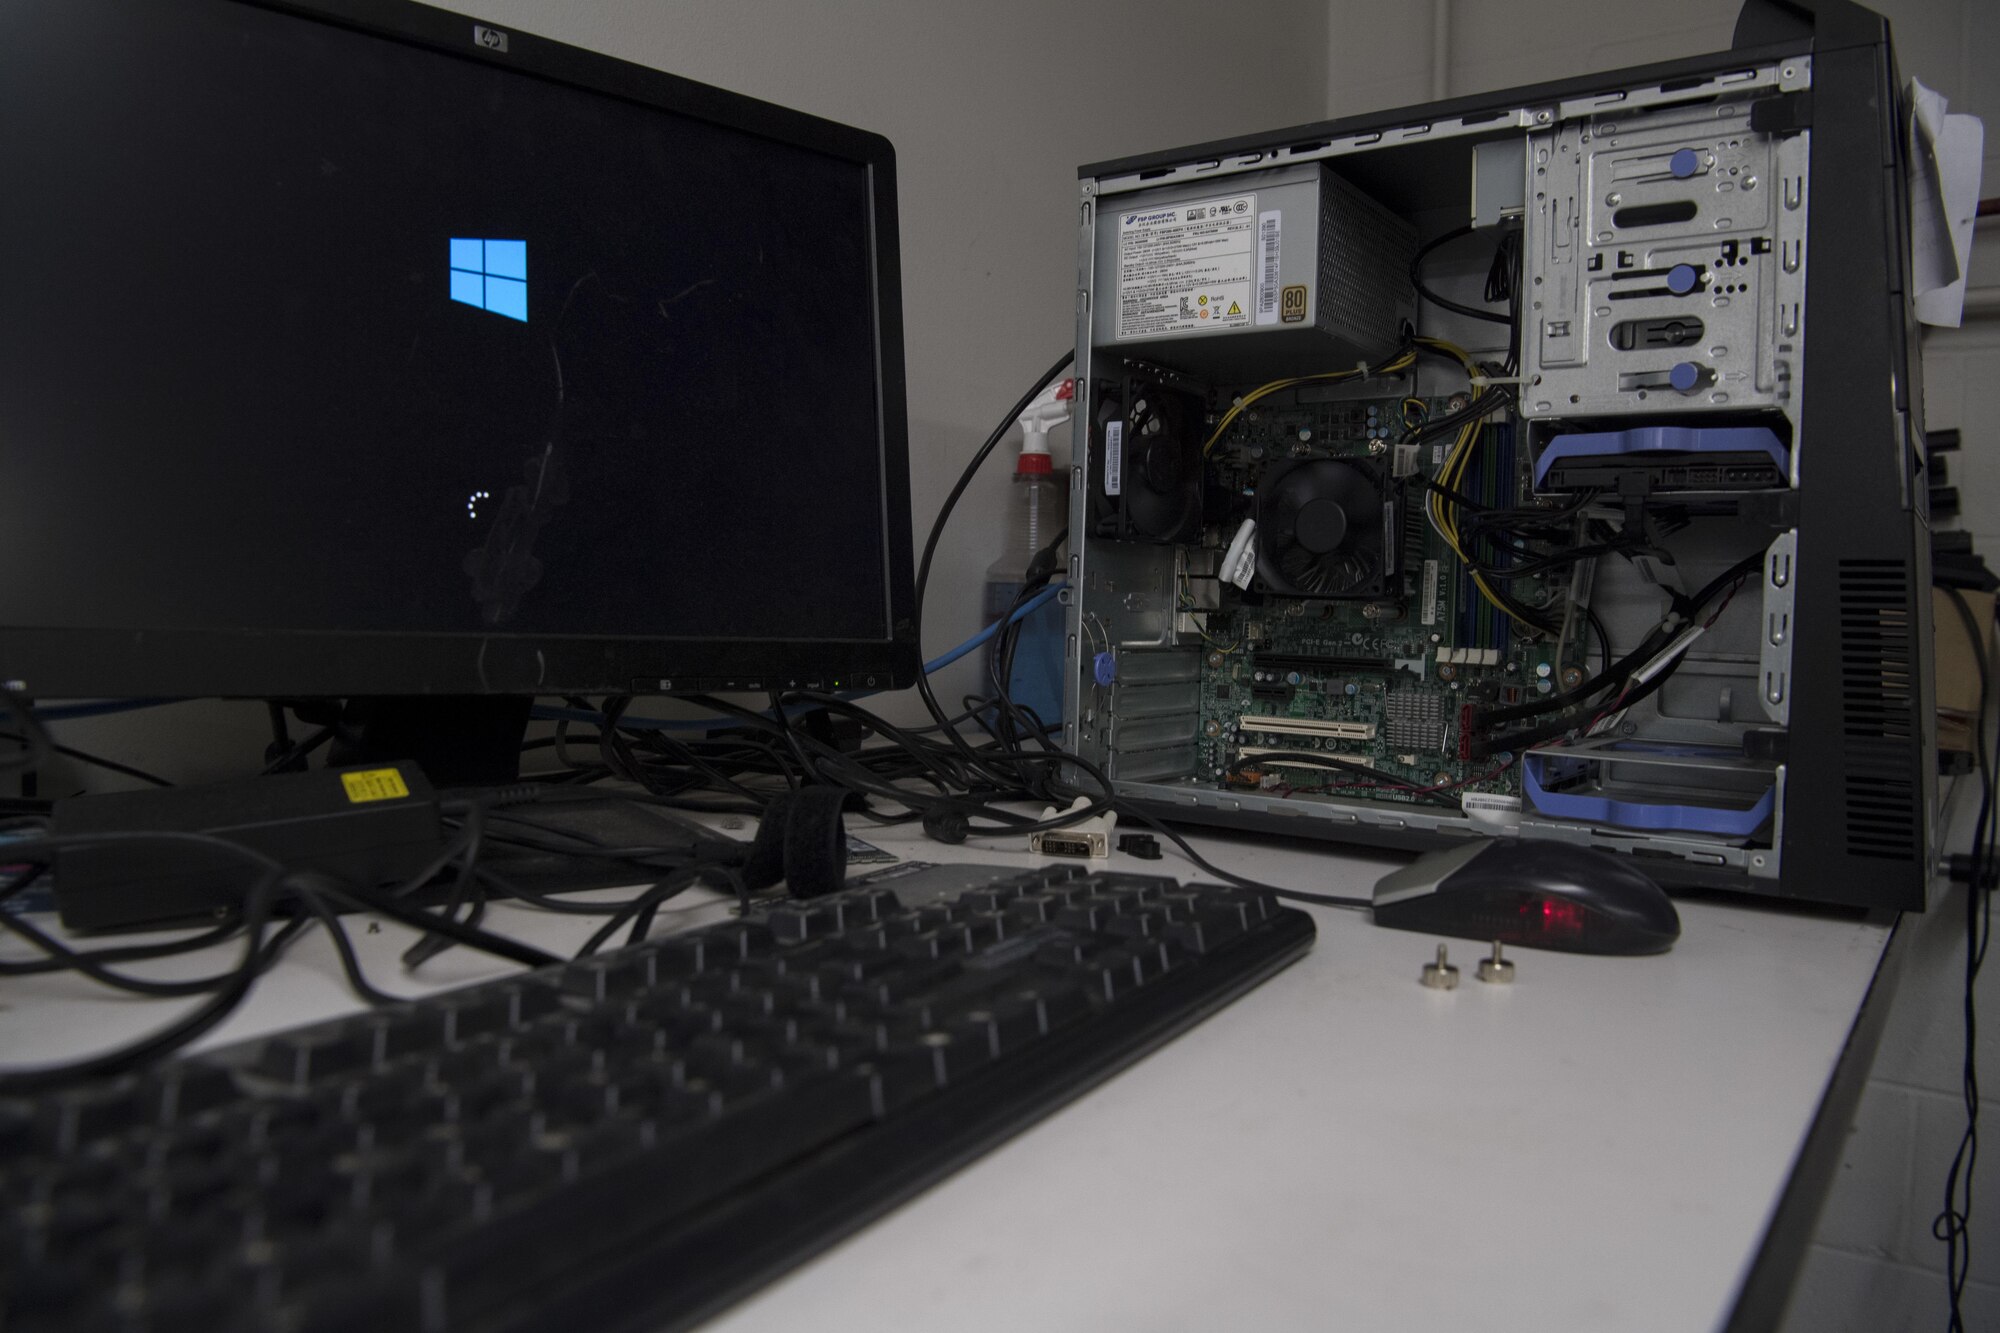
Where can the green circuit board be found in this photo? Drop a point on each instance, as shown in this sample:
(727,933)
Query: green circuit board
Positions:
(1376,681)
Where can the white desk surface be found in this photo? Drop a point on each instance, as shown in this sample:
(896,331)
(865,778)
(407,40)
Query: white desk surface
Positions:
(1598,1146)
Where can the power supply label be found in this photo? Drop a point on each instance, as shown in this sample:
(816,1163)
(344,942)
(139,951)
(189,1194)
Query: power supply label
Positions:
(1187,267)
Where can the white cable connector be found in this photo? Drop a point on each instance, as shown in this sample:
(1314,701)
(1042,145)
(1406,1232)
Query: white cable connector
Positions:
(1086,838)
(1048,411)
(1667,654)
(1239,562)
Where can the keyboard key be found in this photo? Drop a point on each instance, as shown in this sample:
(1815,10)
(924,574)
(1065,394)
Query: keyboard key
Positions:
(898,1078)
(995,899)
(928,945)
(1028,910)
(76,1118)
(983,929)
(408,1031)
(1012,1022)
(1056,1003)
(956,1053)
(311,1056)
(803,922)
(872,904)
(535,1000)
(678,956)
(741,941)
(1131,927)
(1048,876)
(191,1087)
(593,980)
(1087,916)
(937,918)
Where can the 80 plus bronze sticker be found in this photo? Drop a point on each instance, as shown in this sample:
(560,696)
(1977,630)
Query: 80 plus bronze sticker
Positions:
(1292,303)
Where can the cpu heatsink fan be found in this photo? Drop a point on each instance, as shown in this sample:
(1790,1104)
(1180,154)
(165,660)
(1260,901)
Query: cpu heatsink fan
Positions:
(1325,528)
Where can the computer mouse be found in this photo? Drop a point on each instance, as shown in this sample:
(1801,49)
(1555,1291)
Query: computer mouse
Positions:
(1540,895)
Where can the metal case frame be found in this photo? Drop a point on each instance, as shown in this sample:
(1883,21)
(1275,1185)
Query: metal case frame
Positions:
(1846,661)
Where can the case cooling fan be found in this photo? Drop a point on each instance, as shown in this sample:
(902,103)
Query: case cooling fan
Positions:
(1157,493)
(1323,529)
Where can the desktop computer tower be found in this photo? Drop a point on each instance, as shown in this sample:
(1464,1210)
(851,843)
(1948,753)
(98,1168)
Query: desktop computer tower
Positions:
(1617,535)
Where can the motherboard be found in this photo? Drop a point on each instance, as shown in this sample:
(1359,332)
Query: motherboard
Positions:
(1363,696)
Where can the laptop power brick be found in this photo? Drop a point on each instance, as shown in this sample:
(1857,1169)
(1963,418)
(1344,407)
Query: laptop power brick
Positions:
(373,825)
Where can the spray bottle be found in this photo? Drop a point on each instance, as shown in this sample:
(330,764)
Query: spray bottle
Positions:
(1035,512)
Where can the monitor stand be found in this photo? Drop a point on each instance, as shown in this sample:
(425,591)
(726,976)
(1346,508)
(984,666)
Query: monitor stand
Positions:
(458,740)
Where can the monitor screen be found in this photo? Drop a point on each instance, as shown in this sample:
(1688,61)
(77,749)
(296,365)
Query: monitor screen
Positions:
(412,355)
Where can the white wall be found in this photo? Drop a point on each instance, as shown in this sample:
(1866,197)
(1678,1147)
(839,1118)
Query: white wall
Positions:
(992,107)
(1380,56)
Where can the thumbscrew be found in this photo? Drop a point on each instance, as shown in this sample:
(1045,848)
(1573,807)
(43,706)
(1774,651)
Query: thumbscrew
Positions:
(1495,968)
(1440,975)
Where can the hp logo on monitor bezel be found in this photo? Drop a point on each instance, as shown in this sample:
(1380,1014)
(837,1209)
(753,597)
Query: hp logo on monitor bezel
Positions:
(491,39)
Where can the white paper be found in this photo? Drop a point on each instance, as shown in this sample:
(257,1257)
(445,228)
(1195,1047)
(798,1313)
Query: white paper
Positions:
(1946,156)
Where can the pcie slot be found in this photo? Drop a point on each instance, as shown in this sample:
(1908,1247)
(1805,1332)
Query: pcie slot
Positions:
(1307,664)
(1258,753)
(1307,726)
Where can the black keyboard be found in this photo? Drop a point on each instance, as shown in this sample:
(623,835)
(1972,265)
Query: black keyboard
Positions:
(628,1141)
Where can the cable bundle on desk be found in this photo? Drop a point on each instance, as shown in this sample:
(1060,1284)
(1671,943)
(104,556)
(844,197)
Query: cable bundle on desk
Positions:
(284,902)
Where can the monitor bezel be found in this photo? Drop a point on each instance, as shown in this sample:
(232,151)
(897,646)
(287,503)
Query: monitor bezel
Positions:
(52,662)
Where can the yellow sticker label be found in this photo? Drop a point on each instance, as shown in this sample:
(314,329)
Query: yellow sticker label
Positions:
(374,784)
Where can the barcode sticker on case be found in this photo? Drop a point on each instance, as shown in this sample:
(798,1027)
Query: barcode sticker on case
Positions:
(1491,807)
(1268,226)
(1114,458)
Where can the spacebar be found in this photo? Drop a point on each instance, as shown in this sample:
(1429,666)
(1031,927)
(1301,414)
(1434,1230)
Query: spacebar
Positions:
(633,1194)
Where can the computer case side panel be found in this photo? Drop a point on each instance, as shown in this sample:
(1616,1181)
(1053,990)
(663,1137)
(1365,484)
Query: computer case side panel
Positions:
(1863,744)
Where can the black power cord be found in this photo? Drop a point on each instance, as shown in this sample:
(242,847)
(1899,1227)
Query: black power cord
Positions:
(1473,312)
(965,477)
(313,898)
(94,760)
(35,746)
(1951,1223)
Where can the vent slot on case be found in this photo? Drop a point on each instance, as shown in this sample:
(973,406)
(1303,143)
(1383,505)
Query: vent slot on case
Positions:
(1878,709)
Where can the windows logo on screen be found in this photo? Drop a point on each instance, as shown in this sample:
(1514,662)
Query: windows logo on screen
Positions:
(492,275)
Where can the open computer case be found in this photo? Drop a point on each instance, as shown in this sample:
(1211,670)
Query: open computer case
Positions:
(1326,581)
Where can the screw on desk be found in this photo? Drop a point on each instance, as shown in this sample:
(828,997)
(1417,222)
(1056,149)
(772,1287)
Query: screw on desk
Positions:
(1440,975)
(1495,968)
